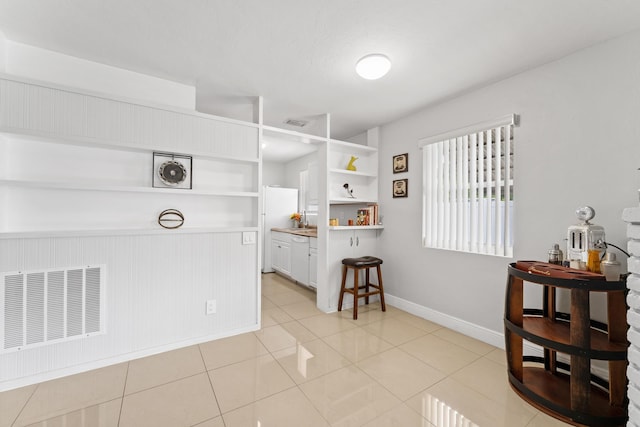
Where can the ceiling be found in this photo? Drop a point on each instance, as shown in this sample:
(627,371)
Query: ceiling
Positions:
(300,54)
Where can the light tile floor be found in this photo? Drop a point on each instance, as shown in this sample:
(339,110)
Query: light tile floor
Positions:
(304,368)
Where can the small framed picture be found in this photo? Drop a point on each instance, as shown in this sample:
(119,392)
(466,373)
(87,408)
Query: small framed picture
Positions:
(401,163)
(400,188)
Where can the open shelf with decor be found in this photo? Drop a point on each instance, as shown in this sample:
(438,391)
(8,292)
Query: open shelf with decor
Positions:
(84,161)
(352,186)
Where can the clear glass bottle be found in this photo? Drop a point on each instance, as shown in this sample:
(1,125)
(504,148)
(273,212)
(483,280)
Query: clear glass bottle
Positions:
(555,255)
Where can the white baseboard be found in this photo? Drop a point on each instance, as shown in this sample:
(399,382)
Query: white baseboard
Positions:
(481,333)
(77,369)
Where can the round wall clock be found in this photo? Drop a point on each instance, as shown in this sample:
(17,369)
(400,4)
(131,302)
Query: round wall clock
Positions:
(172,172)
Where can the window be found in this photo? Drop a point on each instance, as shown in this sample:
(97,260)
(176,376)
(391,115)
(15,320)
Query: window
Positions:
(468,188)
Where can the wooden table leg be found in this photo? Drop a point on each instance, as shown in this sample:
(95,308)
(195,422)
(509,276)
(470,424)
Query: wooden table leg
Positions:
(356,284)
(549,311)
(617,321)
(514,313)
(580,336)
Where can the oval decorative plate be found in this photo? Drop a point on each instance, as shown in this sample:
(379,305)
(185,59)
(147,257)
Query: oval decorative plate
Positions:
(171,218)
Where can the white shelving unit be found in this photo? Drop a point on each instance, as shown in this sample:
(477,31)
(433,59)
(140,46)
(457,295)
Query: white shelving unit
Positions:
(84,162)
(292,135)
(345,241)
(363,181)
(80,186)
(355,227)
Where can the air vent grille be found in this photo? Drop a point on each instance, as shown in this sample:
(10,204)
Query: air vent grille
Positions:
(43,307)
(296,122)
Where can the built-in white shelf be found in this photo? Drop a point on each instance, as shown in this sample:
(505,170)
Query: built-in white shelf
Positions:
(123,99)
(21,134)
(351,147)
(36,234)
(355,227)
(131,189)
(292,135)
(353,173)
(348,201)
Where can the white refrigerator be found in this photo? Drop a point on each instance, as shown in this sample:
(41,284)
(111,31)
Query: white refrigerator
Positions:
(278,205)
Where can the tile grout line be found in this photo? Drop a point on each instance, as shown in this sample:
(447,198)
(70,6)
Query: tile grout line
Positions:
(124,387)
(15,420)
(206,371)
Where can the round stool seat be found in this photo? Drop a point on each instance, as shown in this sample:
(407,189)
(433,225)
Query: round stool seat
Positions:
(365,261)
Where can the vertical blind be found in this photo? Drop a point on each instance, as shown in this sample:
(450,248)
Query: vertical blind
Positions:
(468,188)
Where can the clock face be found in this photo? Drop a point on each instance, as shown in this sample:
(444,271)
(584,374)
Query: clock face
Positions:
(172,173)
(585,213)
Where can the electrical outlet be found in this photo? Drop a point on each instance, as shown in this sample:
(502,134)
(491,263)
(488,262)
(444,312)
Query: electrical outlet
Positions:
(211,306)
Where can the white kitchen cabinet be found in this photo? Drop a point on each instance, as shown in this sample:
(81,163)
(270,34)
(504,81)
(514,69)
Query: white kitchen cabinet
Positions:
(313,262)
(281,252)
(300,259)
(347,243)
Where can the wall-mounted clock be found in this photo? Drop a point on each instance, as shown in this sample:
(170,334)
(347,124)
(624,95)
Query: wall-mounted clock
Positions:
(172,171)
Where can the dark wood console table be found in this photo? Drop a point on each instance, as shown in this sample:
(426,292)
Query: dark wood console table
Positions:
(567,391)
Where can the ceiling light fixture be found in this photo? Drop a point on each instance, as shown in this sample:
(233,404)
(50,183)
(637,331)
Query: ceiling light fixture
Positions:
(374,66)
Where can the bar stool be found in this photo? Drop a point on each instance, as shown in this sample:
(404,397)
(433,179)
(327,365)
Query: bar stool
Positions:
(357,264)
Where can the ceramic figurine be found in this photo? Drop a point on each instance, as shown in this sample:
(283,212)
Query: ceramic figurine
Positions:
(351,166)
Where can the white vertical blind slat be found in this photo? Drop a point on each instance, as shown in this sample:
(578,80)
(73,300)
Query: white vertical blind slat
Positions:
(465,193)
(487,198)
(497,216)
(452,194)
(459,187)
(481,206)
(431,195)
(447,197)
(441,211)
(426,197)
(474,193)
(432,192)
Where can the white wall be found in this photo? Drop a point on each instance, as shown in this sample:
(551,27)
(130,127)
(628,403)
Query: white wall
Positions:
(41,64)
(360,138)
(294,167)
(273,173)
(578,144)
(3,52)
(155,297)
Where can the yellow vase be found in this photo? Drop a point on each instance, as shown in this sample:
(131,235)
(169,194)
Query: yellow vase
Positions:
(351,166)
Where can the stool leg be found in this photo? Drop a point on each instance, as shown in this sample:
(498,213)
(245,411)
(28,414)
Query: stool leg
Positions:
(384,307)
(366,286)
(344,278)
(355,293)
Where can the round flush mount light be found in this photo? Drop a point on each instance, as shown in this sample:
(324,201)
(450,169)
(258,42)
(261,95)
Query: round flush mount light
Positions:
(374,66)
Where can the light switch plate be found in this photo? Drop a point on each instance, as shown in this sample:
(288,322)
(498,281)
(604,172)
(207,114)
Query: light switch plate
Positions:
(248,237)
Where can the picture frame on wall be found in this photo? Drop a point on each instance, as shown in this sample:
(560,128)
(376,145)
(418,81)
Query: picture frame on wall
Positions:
(400,188)
(401,163)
